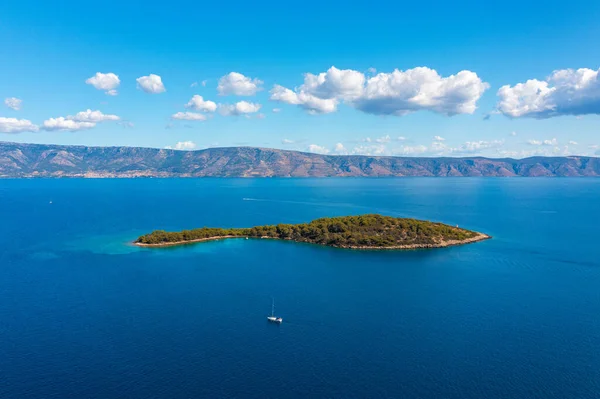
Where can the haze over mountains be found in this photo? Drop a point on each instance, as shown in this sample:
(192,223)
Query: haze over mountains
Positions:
(39,160)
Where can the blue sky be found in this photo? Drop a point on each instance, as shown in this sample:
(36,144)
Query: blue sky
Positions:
(360,106)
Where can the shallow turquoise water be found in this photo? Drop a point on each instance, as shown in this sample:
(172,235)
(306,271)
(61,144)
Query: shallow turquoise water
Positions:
(83,314)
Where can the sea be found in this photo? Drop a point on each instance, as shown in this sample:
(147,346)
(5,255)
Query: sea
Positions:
(85,314)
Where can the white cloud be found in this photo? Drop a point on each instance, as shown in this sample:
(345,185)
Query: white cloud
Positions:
(62,123)
(573,142)
(508,153)
(239,108)
(13,103)
(534,142)
(182,145)
(544,151)
(151,84)
(472,147)
(564,92)
(82,120)
(199,104)
(400,138)
(313,105)
(396,93)
(280,93)
(340,149)
(107,82)
(14,125)
(203,83)
(374,149)
(412,150)
(237,84)
(513,133)
(276,110)
(383,139)
(552,142)
(126,124)
(185,145)
(321,93)
(92,116)
(287,141)
(438,146)
(261,116)
(189,116)
(403,92)
(372,70)
(336,83)
(317,149)
(438,138)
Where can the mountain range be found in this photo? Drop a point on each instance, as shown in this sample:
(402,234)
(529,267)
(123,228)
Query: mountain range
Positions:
(40,160)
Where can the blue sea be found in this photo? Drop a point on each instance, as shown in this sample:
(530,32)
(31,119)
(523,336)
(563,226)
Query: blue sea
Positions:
(84,314)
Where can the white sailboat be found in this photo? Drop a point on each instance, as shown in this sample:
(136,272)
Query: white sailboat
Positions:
(272,318)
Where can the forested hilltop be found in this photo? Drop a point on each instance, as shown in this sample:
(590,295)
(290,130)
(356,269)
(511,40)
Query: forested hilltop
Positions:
(366,231)
(40,160)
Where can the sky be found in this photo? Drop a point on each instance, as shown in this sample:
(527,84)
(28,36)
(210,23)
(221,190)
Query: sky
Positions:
(508,79)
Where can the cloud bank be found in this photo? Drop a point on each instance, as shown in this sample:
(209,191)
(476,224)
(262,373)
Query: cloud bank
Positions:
(80,121)
(396,93)
(564,92)
(14,125)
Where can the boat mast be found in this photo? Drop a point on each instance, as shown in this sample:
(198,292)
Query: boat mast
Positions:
(273,307)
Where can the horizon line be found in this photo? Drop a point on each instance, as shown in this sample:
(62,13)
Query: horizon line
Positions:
(300,152)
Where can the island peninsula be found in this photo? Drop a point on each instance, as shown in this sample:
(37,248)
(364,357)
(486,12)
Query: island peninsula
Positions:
(356,232)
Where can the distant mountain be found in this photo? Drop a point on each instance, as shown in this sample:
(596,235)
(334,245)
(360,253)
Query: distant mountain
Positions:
(38,160)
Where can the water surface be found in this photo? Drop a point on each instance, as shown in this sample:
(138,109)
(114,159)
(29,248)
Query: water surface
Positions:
(83,314)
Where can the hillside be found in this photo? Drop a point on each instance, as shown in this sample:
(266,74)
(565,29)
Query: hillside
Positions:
(38,160)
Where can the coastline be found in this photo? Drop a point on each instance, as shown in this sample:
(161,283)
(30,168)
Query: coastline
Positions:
(175,243)
(442,244)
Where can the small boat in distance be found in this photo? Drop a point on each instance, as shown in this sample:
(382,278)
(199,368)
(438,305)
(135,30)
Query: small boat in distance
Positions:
(272,318)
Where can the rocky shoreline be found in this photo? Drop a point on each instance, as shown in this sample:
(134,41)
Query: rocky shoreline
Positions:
(442,244)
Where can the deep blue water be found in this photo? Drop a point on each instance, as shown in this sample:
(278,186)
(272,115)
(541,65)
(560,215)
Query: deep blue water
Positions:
(85,315)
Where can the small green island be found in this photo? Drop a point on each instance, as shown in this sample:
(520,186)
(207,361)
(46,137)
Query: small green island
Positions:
(356,232)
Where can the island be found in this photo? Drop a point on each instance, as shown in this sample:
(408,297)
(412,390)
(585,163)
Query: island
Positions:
(355,232)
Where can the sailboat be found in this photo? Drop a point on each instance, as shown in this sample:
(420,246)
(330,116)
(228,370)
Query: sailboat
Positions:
(272,318)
